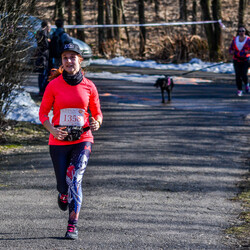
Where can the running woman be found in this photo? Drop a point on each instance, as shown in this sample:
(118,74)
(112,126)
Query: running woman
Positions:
(70,95)
(240,49)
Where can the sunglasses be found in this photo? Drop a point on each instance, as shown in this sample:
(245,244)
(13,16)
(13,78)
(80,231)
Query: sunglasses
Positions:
(241,30)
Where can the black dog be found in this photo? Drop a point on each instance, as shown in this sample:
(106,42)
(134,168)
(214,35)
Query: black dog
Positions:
(167,84)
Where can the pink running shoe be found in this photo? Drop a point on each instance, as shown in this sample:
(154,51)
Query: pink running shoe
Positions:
(72,232)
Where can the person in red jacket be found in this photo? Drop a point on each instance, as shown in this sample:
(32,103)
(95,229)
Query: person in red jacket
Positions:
(70,95)
(240,49)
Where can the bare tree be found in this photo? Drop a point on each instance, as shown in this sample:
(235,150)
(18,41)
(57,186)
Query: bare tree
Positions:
(241,13)
(117,17)
(100,20)
(70,10)
(183,9)
(142,28)
(194,16)
(59,10)
(79,18)
(15,46)
(213,32)
(216,11)
(157,7)
(108,18)
(125,22)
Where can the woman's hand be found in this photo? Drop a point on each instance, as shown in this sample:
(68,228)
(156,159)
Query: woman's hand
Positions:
(59,133)
(94,124)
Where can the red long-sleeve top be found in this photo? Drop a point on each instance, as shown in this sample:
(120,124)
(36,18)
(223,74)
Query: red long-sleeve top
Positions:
(243,54)
(68,102)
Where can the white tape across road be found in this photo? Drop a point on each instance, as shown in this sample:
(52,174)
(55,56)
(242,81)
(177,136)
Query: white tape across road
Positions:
(138,25)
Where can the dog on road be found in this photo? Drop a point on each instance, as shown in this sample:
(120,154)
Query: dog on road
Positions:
(167,84)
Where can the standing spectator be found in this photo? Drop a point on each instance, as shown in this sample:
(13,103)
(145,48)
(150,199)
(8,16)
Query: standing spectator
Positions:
(58,39)
(240,49)
(42,62)
(71,96)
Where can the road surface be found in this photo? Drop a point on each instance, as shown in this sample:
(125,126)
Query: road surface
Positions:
(161,176)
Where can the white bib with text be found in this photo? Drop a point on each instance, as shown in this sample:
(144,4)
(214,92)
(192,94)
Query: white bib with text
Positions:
(72,117)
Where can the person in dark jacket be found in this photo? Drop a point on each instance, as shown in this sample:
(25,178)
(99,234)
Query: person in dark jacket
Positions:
(58,39)
(42,62)
(240,49)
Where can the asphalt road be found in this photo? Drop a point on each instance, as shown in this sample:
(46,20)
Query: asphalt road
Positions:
(161,176)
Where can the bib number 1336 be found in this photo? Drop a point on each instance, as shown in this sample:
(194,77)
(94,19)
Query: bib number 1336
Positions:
(72,117)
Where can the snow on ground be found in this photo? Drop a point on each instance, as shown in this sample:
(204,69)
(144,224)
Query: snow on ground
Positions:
(142,78)
(23,108)
(194,64)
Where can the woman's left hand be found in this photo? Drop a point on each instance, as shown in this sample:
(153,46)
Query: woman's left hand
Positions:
(94,124)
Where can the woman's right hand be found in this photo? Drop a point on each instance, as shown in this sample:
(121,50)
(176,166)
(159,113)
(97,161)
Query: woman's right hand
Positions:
(59,133)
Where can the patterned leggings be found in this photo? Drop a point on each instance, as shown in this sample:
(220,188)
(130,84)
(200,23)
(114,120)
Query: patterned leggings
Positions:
(70,162)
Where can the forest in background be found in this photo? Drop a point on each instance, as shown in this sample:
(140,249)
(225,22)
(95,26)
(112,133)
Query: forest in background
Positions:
(163,43)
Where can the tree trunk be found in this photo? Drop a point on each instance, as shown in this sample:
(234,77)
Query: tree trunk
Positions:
(56,9)
(69,7)
(59,9)
(125,22)
(213,31)
(142,28)
(100,20)
(108,18)
(183,9)
(157,7)
(194,17)
(79,18)
(208,27)
(117,17)
(217,44)
(70,10)
(241,13)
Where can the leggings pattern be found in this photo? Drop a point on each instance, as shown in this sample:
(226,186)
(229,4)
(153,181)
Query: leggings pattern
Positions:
(74,180)
(70,162)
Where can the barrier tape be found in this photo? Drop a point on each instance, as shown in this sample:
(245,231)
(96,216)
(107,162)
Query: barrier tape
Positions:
(138,25)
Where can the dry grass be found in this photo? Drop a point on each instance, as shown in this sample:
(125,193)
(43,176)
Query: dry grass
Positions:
(180,49)
(14,135)
(242,231)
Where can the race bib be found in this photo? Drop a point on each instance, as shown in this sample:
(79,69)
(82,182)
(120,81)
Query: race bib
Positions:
(72,117)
